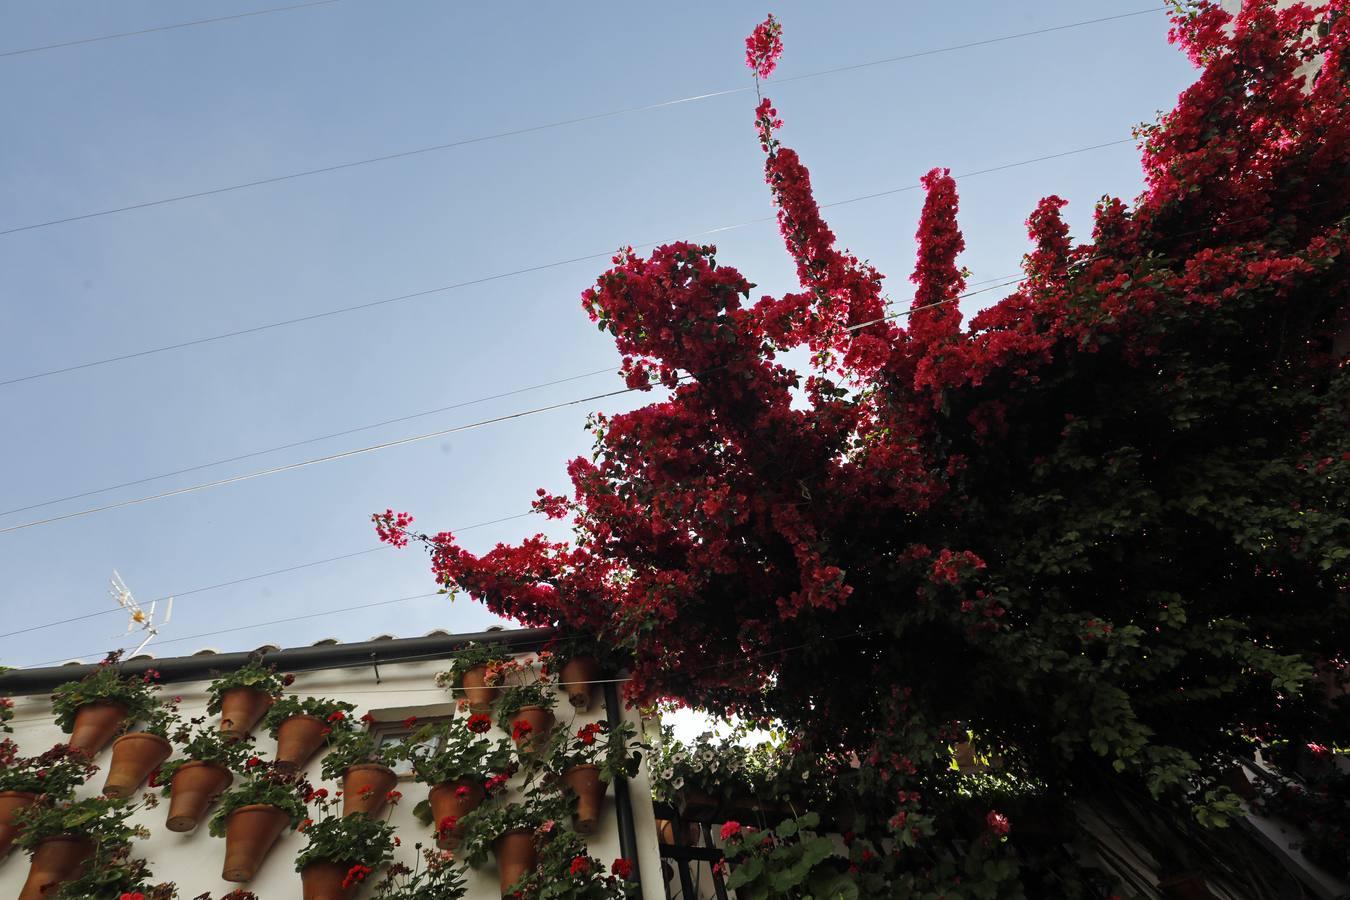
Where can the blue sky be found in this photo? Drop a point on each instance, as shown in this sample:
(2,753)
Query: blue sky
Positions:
(119,122)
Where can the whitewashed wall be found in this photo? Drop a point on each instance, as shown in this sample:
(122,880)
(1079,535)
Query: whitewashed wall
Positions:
(194,860)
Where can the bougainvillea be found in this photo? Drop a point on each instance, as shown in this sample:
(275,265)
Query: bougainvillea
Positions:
(1100,528)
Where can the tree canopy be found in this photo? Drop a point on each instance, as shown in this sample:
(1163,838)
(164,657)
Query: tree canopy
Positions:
(1100,529)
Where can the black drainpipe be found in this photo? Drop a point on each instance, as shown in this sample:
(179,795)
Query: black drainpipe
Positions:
(628,846)
(298,659)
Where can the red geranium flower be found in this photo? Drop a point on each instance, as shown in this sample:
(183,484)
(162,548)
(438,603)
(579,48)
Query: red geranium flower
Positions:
(479,723)
(622,867)
(580,865)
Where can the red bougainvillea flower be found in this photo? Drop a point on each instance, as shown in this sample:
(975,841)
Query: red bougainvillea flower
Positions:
(479,723)
(580,865)
(764,46)
(392,527)
(622,868)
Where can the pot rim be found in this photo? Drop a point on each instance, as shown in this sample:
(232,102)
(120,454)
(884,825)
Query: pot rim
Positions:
(142,734)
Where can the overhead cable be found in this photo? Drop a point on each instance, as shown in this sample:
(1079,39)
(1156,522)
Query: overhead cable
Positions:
(464,142)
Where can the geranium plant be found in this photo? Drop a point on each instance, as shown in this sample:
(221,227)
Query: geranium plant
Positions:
(356,841)
(106,685)
(353,748)
(786,862)
(449,750)
(471,656)
(541,811)
(254,675)
(115,874)
(541,692)
(101,819)
(567,871)
(198,741)
(54,774)
(434,875)
(263,785)
(6,712)
(615,751)
(334,713)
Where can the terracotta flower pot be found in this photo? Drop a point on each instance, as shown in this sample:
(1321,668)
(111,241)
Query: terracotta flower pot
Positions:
(10,803)
(665,832)
(540,721)
(134,757)
(195,786)
(477,691)
(322,880)
(298,739)
(453,798)
(365,788)
(55,860)
(95,725)
(516,855)
(250,833)
(242,708)
(590,790)
(578,679)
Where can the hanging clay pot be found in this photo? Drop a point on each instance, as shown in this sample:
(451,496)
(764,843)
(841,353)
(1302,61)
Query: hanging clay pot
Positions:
(322,880)
(665,833)
(250,833)
(578,679)
(55,860)
(541,723)
(134,757)
(194,787)
(477,691)
(590,790)
(516,855)
(366,787)
(453,799)
(10,803)
(242,708)
(298,739)
(95,725)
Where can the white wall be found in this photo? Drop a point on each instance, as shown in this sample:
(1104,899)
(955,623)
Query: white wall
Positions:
(193,860)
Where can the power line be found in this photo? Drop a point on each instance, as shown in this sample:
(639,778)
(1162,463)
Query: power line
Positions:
(515,272)
(301,443)
(231,583)
(359,451)
(332,457)
(126,34)
(450,145)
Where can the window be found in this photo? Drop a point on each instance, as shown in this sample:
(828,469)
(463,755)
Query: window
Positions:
(390,728)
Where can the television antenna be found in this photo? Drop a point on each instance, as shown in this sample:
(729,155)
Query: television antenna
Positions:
(139,618)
